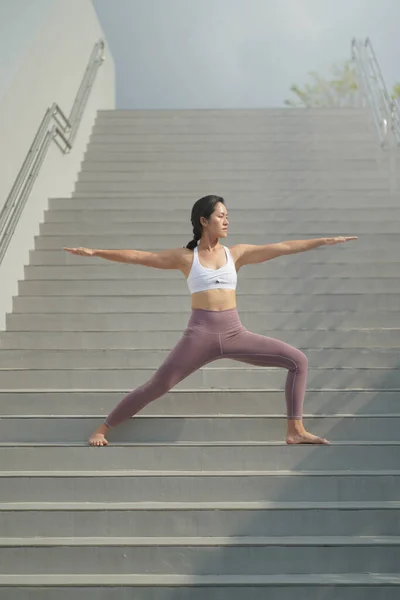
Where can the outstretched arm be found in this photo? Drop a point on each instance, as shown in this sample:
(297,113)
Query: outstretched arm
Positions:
(166,259)
(247,254)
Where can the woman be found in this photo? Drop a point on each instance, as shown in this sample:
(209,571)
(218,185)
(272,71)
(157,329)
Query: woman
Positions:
(214,329)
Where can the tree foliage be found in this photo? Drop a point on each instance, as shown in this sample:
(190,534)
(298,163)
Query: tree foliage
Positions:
(341,90)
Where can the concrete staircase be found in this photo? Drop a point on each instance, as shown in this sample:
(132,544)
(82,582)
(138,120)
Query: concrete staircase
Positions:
(199,497)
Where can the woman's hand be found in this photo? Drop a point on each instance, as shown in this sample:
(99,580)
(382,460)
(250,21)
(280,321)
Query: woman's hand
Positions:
(339,240)
(81,251)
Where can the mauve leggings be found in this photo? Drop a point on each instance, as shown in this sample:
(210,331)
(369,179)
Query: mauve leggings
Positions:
(211,335)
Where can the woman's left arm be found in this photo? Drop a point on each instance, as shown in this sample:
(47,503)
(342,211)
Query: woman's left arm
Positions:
(248,254)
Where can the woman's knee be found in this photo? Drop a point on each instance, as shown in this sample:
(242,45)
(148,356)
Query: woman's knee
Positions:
(158,385)
(303,361)
(300,362)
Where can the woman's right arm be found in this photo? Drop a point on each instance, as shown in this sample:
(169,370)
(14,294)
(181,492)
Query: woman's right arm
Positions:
(165,259)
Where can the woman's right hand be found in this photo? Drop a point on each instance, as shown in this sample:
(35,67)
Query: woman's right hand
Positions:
(80,251)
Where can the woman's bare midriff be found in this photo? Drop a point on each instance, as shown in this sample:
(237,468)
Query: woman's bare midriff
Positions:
(214,300)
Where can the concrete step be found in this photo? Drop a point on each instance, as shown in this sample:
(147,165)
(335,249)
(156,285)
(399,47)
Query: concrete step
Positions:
(184,200)
(170,303)
(232,123)
(210,377)
(345,116)
(153,217)
(303,142)
(287,230)
(237,137)
(282,154)
(309,200)
(260,153)
(143,287)
(205,129)
(256,199)
(194,186)
(201,128)
(165,340)
(124,136)
(198,519)
(315,115)
(213,429)
(100,269)
(117,485)
(272,456)
(213,161)
(357,145)
(161,242)
(260,127)
(201,402)
(263,174)
(214,127)
(147,321)
(185,587)
(285,148)
(321,257)
(136,359)
(200,555)
(238,118)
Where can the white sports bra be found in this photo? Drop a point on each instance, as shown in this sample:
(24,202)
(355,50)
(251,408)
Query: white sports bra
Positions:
(202,279)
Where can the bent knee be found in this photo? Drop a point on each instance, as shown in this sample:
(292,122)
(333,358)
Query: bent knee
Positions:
(300,362)
(303,361)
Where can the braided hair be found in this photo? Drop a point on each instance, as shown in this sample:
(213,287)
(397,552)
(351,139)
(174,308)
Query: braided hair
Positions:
(202,208)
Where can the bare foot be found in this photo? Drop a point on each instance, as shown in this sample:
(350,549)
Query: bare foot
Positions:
(305,438)
(97,438)
(296,434)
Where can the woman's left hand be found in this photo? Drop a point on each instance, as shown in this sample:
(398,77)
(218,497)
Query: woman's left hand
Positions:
(339,240)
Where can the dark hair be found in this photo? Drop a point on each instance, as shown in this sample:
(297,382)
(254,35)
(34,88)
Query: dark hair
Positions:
(202,208)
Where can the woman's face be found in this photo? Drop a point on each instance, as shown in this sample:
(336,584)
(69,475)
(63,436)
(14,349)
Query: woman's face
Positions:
(217,225)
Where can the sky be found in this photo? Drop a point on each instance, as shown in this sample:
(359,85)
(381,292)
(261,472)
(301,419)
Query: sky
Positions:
(238,53)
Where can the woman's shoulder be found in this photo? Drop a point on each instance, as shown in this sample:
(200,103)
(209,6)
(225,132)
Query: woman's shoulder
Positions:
(185,259)
(235,251)
(182,256)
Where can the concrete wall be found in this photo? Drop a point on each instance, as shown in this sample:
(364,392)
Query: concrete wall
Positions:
(47,51)
(20,22)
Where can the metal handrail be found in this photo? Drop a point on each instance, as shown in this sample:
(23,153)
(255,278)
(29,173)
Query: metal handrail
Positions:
(55,126)
(396,118)
(385,110)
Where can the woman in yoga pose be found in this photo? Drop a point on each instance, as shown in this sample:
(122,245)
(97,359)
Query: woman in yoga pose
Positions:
(214,330)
